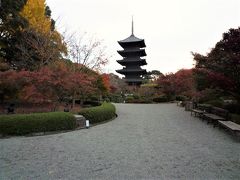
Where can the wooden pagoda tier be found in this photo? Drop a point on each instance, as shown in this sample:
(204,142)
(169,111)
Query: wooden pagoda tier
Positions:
(133,61)
(133,50)
(126,71)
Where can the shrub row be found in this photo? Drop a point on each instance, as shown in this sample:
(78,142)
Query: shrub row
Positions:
(92,103)
(235,118)
(20,124)
(161,99)
(116,98)
(138,101)
(98,114)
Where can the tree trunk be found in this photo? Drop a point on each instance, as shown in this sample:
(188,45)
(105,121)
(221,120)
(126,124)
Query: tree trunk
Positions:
(74,99)
(82,100)
(100,97)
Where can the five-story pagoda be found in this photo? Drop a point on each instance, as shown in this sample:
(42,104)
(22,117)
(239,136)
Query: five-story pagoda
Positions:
(133,50)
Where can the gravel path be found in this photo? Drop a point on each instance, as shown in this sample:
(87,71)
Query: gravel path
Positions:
(155,141)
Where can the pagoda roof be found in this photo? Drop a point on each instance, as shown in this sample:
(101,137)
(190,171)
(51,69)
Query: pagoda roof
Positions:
(131,71)
(133,61)
(138,52)
(132,40)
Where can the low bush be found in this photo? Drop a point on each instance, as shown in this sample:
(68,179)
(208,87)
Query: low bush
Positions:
(232,107)
(209,95)
(160,99)
(129,99)
(181,98)
(92,103)
(116,98)
(136,96)
(20,124)
(216,103)
(139,101)
(235,118)
(100,113)
(205,107)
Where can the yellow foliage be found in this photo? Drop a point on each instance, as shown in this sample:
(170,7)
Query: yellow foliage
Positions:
(34,12)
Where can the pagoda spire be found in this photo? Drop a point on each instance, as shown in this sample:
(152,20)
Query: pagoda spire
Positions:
(132,25)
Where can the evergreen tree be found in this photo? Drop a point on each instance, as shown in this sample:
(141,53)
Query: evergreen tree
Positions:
(33,45)
(11,24)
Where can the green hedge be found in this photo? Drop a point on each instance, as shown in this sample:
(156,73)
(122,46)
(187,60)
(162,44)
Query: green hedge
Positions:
(139,101)
(181,98)
(20,124)
(205,107)
(160,99)
(98,114)
(235,118)
(216,103)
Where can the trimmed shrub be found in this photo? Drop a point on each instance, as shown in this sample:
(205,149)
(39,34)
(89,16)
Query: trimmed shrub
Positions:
(100,113)
(160,99)
(116,98)
(129,99)
(216,103)
(20,124)
(92,103)
(235,118)
(181,98)
(232,108)
(209,95)
(205,107)
(139,101)
(135,96)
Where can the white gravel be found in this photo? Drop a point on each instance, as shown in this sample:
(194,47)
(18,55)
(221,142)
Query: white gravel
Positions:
(155,141)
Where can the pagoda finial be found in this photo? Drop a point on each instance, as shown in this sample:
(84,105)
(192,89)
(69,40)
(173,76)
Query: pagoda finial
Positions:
(132,25)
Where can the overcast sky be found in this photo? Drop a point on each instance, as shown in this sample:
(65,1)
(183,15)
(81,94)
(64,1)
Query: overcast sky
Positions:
(171,28)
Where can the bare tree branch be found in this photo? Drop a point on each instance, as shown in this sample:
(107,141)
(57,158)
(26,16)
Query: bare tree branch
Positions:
(86,51)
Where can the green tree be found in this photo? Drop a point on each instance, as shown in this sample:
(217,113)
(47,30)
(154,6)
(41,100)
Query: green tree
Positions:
(152,76)
(155,74)
(11,24)
(37,44)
